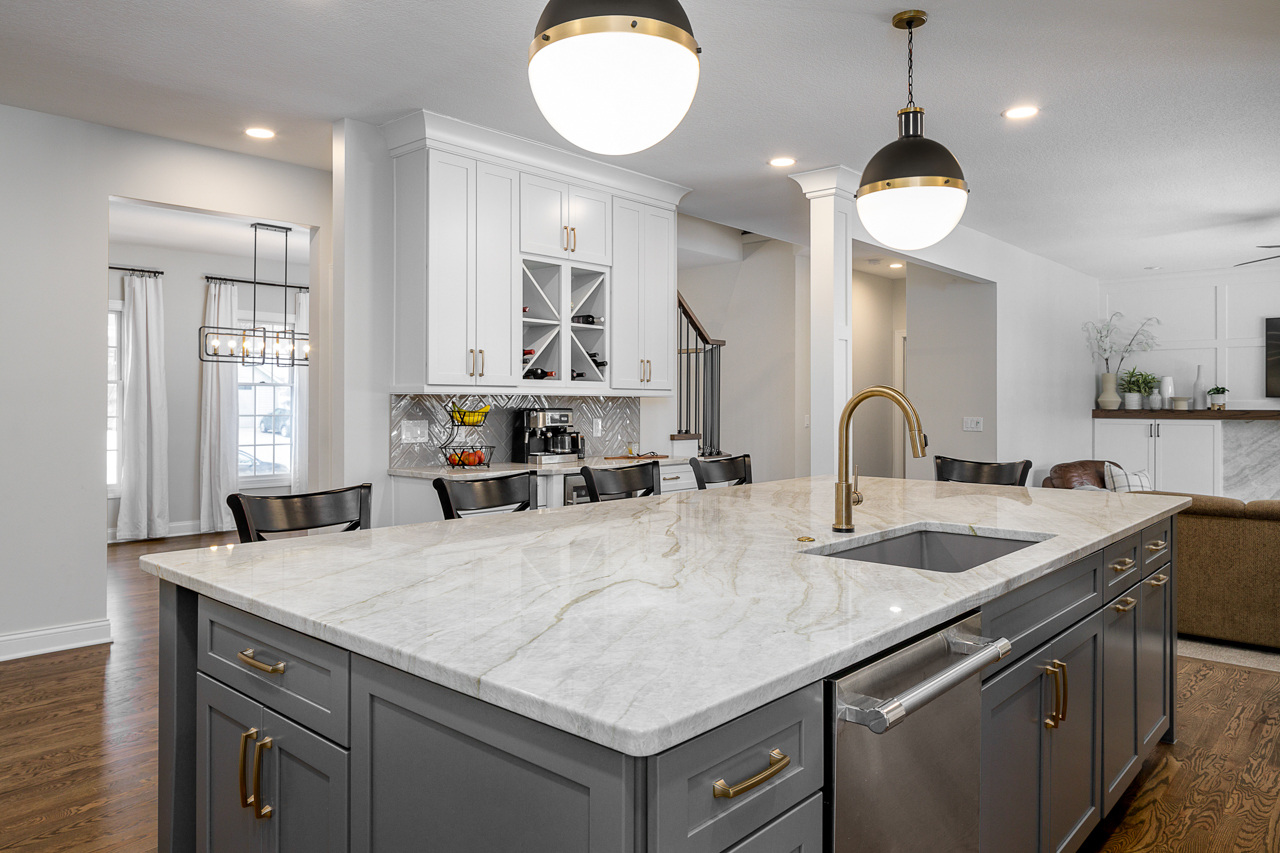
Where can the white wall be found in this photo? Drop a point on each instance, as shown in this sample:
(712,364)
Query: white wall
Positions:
(871,344)
(58,177)
(363,279)
(1211,318)
(184,294)
(951,365)
(751,305)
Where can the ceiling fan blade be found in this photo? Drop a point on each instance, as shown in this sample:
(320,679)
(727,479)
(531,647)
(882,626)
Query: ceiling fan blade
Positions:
(1259,260)
(1269,247)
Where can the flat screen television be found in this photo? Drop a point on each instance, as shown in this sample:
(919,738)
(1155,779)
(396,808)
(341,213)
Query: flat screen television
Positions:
(1273,356)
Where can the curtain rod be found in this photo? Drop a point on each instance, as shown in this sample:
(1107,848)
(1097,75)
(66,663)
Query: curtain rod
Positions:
(135,270)
(251,281)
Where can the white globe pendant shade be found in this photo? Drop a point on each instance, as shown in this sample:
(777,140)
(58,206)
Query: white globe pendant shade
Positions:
(909,218)
(614,76)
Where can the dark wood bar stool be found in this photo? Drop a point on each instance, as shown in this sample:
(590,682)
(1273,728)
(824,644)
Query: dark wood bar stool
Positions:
(734,470)
(947,469)
(517,491)
(259,514)
(634,481)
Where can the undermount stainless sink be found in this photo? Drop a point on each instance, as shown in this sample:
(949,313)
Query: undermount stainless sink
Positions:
(935,551)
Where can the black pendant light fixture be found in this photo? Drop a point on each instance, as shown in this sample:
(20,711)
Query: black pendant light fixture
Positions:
(913,191)
(614,76)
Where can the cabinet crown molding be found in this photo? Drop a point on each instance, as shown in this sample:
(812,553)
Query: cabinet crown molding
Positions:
(831,180)
(423,128)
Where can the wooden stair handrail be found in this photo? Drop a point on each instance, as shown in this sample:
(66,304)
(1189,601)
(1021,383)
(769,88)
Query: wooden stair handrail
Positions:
(697,325)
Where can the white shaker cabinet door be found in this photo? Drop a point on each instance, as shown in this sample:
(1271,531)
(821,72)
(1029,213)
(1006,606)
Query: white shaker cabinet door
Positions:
(626,309)
(451,272)
(590,226)
(1127,443)
(497,337)
(1189,457)
(658,268)
(544,217)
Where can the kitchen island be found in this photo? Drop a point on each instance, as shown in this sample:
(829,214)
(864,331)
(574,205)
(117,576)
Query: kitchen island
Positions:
(588,644)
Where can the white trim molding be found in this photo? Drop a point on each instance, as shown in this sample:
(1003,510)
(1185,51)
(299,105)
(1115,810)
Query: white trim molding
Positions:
(22,644)
(176,528)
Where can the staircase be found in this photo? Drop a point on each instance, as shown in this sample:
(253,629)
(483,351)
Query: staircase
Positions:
(697,382)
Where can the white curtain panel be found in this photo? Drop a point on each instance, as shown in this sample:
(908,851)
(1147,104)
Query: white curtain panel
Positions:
(144,422)
(219,442)
(301,325)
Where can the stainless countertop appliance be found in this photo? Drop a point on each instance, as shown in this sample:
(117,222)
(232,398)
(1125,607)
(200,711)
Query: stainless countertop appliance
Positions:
(546,437)
(905,743)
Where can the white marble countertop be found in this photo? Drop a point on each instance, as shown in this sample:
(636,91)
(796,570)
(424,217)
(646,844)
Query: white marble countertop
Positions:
(641,623)
(430,472)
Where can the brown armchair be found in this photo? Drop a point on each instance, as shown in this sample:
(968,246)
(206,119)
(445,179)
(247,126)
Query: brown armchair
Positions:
(1068,475)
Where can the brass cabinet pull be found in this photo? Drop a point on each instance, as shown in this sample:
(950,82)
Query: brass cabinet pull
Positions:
(246,656)
(566,237)
(481,362)
(1157,545)
(471,368)
(1066,687)
(777,763)
(260,811)
(574,232)
(642,370)
(648,370)
(1053,720)
(1125,604)
(245,737)
(1123,565)
(665,479)
(1159,580)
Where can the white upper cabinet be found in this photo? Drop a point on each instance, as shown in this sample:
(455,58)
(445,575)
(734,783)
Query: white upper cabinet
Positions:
(451,270)
(644,296)
(497,336)
(558,220)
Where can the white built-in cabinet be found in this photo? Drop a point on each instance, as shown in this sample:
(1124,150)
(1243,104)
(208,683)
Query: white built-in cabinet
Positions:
(642,353)
(1180,455)
(495,256)
(559,220)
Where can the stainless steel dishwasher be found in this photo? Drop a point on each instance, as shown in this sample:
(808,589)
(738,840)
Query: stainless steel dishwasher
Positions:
(904,750)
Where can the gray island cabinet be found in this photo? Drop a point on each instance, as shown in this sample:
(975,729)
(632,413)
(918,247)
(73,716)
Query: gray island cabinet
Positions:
(601,679)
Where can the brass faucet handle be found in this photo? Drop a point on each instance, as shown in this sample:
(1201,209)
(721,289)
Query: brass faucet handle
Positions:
(855,484)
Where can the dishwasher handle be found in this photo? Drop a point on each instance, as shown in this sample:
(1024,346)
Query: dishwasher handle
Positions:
(883,715)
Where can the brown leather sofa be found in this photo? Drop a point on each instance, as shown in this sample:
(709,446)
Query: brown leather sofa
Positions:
(1068,475)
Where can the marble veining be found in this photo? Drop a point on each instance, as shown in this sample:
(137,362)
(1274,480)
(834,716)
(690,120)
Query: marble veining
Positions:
(639,624)
(1251,460)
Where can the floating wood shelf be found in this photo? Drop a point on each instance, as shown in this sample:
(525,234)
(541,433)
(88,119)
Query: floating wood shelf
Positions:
(1203,415)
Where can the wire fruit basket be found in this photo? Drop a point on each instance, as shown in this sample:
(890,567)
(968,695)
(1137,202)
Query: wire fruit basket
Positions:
(459,453)
(467,455)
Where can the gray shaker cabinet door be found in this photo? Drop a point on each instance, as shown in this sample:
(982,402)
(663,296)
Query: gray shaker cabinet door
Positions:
(223,825)
(1015,705)
(434,771)
(1155,615)
(305,783)
(1120,759)
(1075,746)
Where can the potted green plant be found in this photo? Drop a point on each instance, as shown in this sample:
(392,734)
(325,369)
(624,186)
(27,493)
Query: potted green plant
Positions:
(1218,397)
(1136,386)
(1104,342)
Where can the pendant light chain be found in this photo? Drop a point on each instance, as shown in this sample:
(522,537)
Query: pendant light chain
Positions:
(911,98)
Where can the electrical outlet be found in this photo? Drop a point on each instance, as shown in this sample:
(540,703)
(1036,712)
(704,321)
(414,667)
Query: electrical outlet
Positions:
(415,432)
(972,425)
(597,427)
(806,421)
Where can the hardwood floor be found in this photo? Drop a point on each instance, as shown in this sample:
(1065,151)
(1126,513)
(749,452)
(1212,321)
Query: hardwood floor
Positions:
(78,745)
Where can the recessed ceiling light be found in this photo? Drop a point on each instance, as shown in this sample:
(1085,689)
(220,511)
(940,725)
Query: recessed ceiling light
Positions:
(1153,268)
(895,266)
(260,133)
(1020,112)
(782,161)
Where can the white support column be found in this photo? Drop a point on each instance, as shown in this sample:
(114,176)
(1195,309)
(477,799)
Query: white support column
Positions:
(832,227)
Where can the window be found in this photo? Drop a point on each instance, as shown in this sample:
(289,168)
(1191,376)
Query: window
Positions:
(266,427)
(115,309)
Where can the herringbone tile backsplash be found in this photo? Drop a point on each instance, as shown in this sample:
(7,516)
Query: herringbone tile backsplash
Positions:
(620,417)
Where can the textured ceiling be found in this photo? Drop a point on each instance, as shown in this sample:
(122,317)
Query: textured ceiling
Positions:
(1156,146)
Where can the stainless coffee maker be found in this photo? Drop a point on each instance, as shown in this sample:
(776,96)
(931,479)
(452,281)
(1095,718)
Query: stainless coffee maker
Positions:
(546,437)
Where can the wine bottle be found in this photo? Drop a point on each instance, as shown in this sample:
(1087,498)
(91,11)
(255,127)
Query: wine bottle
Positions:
(599,362)
(525,309)
(526,359)
(539,373)
(528,352)
(587,319)
(594,356)
(577,374)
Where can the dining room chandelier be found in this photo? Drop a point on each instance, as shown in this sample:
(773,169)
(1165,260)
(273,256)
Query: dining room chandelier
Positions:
(255,344)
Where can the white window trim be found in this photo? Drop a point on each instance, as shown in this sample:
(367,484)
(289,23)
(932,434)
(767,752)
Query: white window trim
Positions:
(264,481)
(117,306)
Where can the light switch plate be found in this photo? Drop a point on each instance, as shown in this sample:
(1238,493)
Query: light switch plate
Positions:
(415,432)
(972,425)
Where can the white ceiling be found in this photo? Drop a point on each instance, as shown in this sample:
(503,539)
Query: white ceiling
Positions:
(143,224)
(1156,146)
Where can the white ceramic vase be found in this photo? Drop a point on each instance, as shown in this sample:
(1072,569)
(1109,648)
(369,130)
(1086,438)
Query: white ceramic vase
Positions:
(1108,400)
(1166,391)
(1132,401)
(1200,392)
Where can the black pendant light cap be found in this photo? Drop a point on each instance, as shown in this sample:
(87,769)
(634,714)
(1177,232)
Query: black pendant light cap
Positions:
(915,161)
(559,12)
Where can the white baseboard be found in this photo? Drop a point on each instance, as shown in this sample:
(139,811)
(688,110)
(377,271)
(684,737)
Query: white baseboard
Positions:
(42,640)
(176,528)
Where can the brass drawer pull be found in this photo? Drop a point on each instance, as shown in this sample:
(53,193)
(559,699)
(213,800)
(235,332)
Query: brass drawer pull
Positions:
(245,737)
(260,811)
(1053,721)
(1066,687)
(1125,604)
(574,232)
(1157,545)
(668,479)
(566,237)
(1123,565)
(246,656)
(777,763)
(1159,580)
